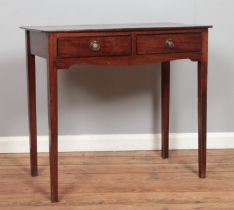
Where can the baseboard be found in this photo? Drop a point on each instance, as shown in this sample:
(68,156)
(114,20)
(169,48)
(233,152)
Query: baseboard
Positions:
(117,142)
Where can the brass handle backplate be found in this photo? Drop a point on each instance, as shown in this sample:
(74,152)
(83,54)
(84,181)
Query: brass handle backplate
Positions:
(95,45)
(170,43)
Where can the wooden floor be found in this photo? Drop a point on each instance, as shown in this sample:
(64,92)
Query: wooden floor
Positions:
(120,181)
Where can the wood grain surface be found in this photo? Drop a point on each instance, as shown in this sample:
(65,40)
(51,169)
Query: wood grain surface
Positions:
(155,44)
(120,181)
(72,47)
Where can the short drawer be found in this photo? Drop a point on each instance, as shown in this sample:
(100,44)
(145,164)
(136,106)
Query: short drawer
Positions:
(94,46)
(168,43)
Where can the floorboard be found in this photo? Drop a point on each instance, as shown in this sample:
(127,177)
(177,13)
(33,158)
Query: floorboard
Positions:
(138,180)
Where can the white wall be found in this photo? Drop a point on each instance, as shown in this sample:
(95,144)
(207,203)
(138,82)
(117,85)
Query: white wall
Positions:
(221,63)
(123,100)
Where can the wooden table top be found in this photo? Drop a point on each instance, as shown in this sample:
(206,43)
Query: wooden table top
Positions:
(112,27)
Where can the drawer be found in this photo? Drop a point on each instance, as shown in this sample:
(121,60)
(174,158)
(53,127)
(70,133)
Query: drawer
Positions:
(168,43)
(94,46)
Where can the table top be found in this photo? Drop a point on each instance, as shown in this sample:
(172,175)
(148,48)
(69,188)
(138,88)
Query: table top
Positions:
(111,27)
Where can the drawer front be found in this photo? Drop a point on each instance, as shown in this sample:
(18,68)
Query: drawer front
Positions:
(94,46)
(168,43)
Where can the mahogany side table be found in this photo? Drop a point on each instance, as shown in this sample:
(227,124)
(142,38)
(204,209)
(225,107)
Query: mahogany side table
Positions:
(130,44)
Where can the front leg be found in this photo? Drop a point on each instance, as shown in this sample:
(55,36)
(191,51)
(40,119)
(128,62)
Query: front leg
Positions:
(202,115)
(53,117)
(202,105)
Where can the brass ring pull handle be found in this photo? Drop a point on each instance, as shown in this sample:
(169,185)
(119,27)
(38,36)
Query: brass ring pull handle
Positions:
(170,43)
(95,45)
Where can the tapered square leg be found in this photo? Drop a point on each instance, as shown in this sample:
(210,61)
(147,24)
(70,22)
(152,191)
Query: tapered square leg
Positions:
(53,132)
(202,105)
(165,89)
(202,116)
(31,82)
(53,119)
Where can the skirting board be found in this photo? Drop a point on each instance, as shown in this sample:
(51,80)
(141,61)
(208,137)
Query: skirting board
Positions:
(117,142)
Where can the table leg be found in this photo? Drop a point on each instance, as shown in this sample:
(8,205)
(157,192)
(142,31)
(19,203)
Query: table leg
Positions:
(53,128)
(31,82)
(165,88)
(202,116)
